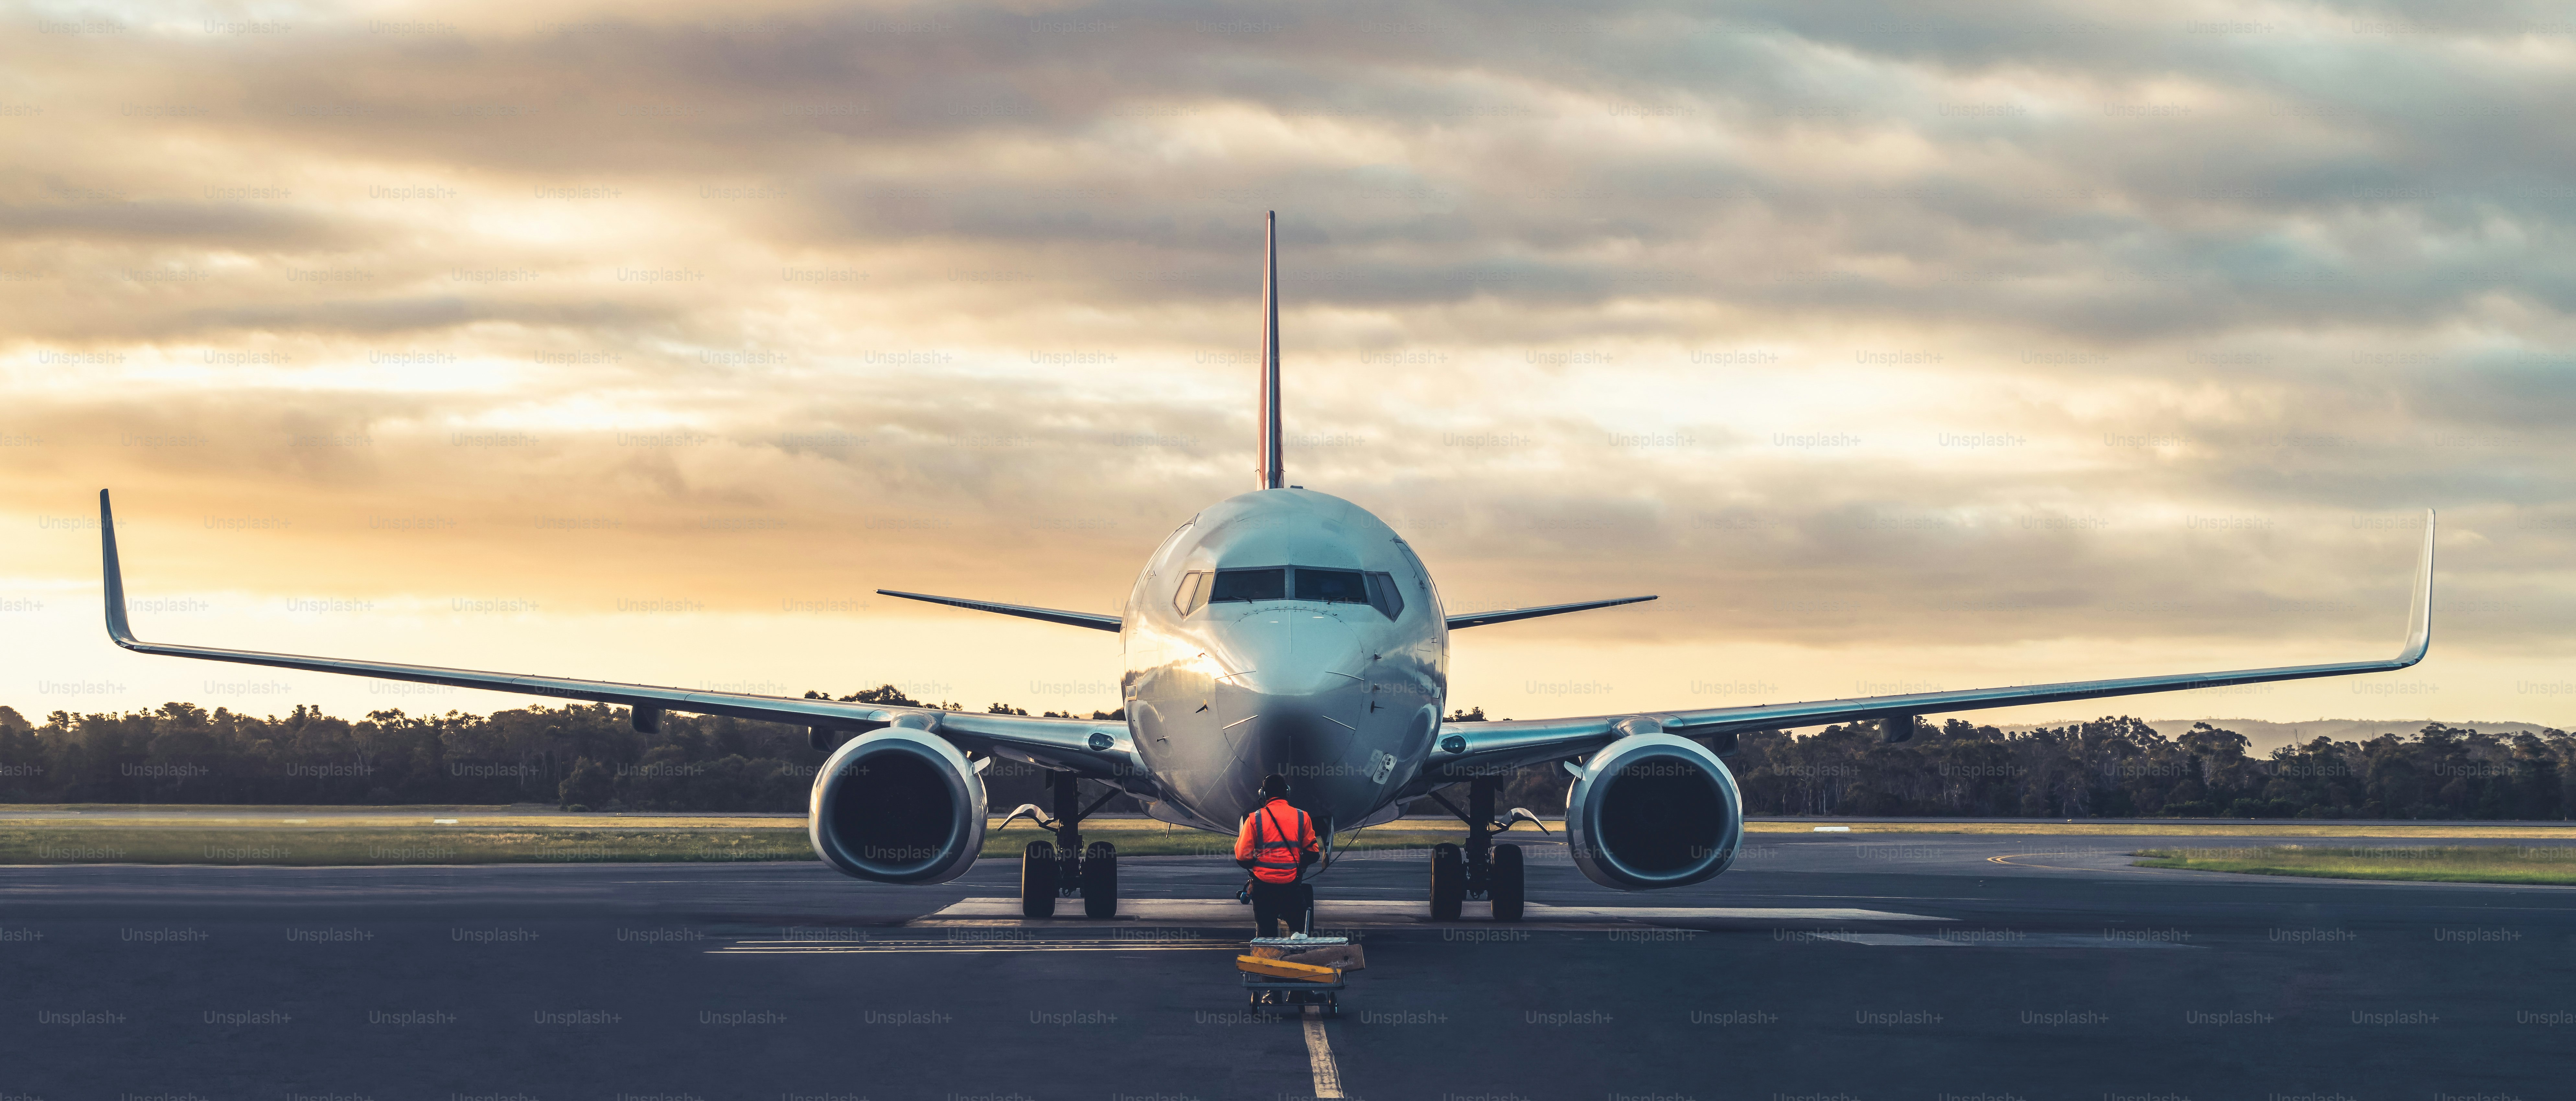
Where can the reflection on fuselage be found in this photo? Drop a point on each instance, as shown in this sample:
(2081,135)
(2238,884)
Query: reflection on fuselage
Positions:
(1233,676)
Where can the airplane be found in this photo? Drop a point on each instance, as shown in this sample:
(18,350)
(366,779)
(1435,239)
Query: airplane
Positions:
(1282,630)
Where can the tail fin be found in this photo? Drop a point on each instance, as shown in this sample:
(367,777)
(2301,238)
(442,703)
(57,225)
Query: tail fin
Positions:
(1272,470)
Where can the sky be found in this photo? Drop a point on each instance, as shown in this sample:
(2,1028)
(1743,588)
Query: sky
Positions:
(1895,347)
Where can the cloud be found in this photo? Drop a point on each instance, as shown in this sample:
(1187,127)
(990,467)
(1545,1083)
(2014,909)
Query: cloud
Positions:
(1832,323)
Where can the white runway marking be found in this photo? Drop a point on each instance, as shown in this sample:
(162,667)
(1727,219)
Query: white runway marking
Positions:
(2003,938)
(1319,1055)
(1889,938)
(1715,913)
(1351,912)
(971,945)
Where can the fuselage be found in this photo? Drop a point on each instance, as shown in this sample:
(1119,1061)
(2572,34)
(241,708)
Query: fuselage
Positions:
(1284,631)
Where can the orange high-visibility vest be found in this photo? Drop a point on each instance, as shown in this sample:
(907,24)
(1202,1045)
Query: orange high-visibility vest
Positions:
(1272,846)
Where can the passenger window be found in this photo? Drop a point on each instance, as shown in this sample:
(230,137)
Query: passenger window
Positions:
(1385,596)
(1192,596)
(1270,584)
(1331,586)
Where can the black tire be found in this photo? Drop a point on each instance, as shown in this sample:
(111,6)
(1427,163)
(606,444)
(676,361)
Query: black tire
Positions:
(1100,880)
(1506,890)
(1037,880)
(1448,882)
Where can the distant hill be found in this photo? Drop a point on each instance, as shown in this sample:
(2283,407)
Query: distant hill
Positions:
(2268,736)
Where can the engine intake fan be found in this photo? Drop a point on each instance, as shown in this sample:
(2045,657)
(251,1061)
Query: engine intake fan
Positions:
(898,806)
(1652,810)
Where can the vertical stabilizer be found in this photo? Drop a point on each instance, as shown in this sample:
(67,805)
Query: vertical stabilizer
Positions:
(1271,470)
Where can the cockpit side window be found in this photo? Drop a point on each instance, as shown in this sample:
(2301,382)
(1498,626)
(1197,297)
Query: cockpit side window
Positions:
(1269,584)
(1385,595)
(1331,586)
(1193,594)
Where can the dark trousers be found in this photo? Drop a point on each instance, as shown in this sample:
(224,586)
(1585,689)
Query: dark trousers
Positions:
(1273,903)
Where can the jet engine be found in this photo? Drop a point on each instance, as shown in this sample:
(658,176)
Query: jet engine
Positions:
(900,805)
(1653,810)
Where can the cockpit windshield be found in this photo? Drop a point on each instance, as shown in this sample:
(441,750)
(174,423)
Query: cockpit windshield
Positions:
(1331,586)
(1270,584)
(1200,588)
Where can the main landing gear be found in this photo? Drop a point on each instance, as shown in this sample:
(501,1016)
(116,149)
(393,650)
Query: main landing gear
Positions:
(1065,868)
(1480,869)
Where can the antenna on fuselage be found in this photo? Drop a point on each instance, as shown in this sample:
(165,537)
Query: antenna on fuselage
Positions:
(1272,471)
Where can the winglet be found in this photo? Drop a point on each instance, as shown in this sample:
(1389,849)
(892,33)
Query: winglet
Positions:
(2419,616)
(116,628)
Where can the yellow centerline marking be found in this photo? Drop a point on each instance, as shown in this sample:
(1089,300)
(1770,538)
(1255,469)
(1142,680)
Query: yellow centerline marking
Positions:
(1319,1055)
(2013,859)
(2015,862)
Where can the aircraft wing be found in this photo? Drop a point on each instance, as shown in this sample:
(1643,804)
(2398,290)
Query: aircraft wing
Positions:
(1050,615)
(1479,619)
(1094,748)
(1482,748)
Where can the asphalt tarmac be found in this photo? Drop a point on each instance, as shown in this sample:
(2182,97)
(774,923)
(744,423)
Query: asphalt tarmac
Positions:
(1833,968)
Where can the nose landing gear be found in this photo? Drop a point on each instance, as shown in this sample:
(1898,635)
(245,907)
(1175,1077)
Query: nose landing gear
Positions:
(1480,869)
(1066,868)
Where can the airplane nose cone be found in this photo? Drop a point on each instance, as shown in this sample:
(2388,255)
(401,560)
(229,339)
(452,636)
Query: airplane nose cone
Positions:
(1292,733)
(1297,697)
(1291,651)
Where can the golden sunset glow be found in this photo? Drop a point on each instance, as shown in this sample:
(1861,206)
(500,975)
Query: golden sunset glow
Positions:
(644,342)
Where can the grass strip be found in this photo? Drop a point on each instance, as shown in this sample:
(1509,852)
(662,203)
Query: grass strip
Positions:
(1154,841)
(2176,828)
(2531,864)
(405,817)
(328,836)
(339,845)
(408,839)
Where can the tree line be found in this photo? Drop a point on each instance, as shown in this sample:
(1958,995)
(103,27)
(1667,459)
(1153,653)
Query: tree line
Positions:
(2122,768)
(585,755)
(589,755)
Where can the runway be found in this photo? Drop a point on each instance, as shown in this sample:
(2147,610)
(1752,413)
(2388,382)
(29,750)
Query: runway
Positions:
(1835,967)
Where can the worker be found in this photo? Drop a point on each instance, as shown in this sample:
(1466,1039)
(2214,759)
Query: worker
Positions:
(1277,843)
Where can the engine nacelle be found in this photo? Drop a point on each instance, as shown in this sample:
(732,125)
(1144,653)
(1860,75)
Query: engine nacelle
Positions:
(900,805)
(1652,810)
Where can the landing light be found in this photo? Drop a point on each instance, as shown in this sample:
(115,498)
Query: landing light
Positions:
(1453,744)
(1100,742)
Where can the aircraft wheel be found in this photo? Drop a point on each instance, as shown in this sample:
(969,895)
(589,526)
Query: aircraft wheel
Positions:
(1448,882)
(1037,880)
(1100,880)
(1506,891)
